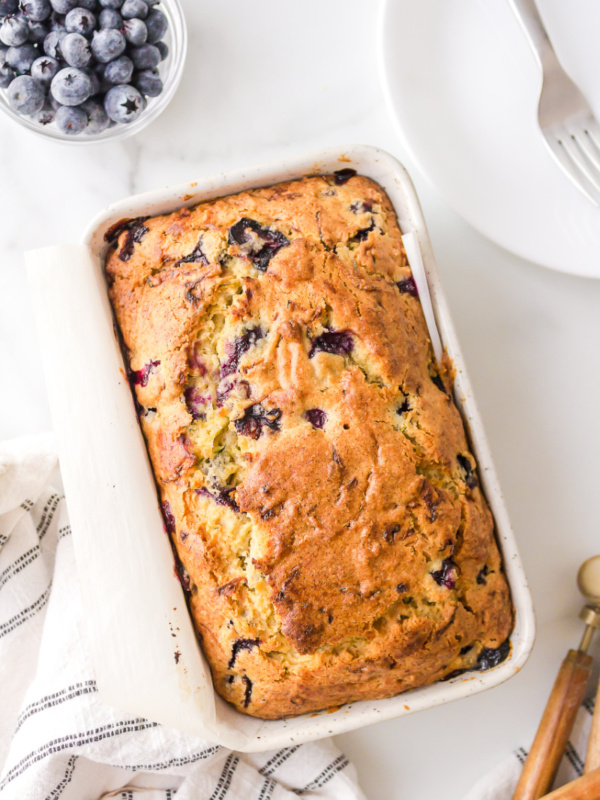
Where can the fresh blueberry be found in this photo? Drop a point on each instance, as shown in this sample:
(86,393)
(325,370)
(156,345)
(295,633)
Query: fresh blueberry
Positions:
(26,95)
(338,343)
(134,8)
(148,82)
(63,6)
(163,50)
(14,31)
(114,4)
(76,50)
(124,103)
(45,115)
(8,7)
(37,32)
(71,120)
(3,52)
(52,44)
(57,22)
(145,57)
(90,5)
(108,44)
(135,32)
(7,76)
(109,18)
(157,25)
(44,69)
(80,20)
(71,86)
(96,82)
(105,86)
(22,57)
(36,10)
(119,71)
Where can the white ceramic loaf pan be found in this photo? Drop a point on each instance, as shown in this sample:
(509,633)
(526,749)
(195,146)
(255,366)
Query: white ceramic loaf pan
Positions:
(142,642)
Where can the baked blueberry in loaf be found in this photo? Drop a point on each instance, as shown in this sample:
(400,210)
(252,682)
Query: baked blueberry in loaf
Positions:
(313,470)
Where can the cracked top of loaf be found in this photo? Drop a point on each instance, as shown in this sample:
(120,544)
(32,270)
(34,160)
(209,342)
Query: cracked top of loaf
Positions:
(314,472)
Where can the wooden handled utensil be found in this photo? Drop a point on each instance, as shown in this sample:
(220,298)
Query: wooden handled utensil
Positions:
(585,788)
(592,757)
(588,581)
(567,694)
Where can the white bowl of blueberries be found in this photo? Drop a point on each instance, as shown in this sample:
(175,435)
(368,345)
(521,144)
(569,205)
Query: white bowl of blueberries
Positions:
(89,70)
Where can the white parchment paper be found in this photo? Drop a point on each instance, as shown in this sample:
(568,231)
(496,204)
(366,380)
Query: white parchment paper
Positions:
(144,650)
(415,261)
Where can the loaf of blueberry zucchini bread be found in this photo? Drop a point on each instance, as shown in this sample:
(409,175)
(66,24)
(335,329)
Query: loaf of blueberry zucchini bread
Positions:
(313,470)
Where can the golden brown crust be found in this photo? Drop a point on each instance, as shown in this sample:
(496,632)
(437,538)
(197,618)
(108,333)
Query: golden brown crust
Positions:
(314,471)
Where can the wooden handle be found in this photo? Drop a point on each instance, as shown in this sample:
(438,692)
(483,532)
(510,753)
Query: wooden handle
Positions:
(585,788)
(553,733)
(592,757)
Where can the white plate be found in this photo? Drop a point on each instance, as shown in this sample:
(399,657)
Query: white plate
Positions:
(463,85)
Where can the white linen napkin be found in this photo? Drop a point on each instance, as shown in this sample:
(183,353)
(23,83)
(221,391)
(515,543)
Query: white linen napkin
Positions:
(57,739)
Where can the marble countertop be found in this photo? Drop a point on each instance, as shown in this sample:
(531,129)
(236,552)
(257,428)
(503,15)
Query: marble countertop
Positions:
(265,80)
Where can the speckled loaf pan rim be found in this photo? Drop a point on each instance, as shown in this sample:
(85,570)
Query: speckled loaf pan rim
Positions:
(387,171)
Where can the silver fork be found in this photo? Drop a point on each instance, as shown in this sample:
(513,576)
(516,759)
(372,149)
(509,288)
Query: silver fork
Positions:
(567,122)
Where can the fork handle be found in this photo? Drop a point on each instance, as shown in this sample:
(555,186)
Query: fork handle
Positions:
(531,22)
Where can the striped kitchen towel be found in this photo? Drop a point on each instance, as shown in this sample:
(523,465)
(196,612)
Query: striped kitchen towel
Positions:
(57,739)
(500,783)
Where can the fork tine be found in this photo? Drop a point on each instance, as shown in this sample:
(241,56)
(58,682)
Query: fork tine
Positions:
(571,166)
(592,137)
(578,148)
(588,160)
(584,140)
(593,129)
(580,163)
